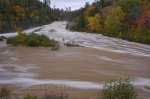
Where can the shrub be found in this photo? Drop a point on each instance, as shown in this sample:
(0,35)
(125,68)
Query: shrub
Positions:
(13,40)
(119,89)
(59,96)
(45,41)
(32,40)
(54,43)
(4,93)
(71,44)
(56,47)
(17,40)
(30,97)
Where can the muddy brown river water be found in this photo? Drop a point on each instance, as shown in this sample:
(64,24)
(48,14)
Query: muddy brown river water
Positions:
(83,68)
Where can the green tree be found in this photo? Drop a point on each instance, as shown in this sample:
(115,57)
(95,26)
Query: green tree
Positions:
(132,8)
(47,2)
(114,22)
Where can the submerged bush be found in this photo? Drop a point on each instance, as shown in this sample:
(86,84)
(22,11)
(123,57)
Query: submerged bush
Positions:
(71,44)
(4,93)
(119,89)
(58,96)
(45,41)
(33,40)
(13,40)
(55,47)
(17,40)
(30,97)
(47,96)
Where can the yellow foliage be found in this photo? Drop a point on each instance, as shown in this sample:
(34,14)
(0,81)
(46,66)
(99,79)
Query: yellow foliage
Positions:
(19,30)
(35,15)
(21,33)
(114,20)
(19,11)
(89,10)
(94,23)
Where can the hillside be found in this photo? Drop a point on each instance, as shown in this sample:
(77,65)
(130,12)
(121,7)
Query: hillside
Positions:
(125,19)
(25,14)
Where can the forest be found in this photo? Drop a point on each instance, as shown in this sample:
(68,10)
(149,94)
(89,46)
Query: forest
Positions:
(125,19)
(26,14)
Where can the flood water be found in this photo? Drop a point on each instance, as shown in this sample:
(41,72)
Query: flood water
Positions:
(99,59)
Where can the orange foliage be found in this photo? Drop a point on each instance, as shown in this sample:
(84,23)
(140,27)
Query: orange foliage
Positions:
(19,11)
(89,10)
(144,18)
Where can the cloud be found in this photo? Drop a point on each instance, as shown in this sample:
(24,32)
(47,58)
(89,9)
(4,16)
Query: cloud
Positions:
(74,4)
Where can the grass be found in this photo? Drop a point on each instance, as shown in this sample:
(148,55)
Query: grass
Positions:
(5,93)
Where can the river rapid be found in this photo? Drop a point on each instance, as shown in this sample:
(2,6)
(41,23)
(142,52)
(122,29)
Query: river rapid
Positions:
(99,59)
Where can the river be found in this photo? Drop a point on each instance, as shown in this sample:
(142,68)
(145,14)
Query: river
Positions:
(99,59)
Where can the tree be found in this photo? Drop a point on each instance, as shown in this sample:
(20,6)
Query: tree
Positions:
(47,2)
(114,22)
(119,89)
(132,8)
(94,23)
(25,14)
(89,11)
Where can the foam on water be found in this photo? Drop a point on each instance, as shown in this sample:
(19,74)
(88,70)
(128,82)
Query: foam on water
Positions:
(57,31)
(97,41)
(68,83)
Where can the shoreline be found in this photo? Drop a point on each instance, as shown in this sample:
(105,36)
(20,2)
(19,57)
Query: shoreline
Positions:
(72,93)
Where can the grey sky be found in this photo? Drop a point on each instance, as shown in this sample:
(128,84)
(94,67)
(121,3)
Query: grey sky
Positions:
(74,4)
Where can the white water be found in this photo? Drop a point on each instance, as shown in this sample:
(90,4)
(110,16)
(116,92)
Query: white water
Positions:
(57,31)
(68,83)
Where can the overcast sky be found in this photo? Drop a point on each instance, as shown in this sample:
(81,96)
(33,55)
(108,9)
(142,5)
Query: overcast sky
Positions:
(74,4)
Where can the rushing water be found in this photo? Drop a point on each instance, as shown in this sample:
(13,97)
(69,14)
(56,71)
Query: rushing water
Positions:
(57,31)
(13,71)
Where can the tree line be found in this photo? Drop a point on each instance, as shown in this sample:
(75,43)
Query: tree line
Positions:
(125,19)
(26,14)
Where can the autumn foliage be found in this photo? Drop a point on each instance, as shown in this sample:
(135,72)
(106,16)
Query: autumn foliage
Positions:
(126,19)
(26,14)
